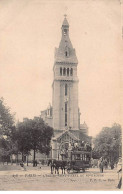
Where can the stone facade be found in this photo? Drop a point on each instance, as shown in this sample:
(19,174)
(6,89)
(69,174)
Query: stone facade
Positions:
(64,114)
(46,115)
(65,84)
(61,143)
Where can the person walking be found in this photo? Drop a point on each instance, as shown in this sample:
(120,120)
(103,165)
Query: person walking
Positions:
(101,165)
(22,165)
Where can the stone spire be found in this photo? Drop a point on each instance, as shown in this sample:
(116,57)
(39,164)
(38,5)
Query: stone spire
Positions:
(65,22)
(65,53)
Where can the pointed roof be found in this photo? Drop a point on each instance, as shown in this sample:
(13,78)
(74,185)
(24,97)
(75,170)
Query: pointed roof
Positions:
(65,22)
(84,125)
(65,44)
(66,132)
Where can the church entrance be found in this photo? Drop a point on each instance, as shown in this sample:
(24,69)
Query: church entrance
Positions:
(64,144)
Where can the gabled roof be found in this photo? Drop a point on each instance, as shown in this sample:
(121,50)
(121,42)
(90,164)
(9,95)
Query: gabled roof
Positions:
(59,136)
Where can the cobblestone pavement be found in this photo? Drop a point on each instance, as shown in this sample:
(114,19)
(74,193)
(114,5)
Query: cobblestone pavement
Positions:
(41,179)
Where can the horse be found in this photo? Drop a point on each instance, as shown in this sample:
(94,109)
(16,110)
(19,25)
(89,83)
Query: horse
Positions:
(56,165)
(60,164)
(52,165)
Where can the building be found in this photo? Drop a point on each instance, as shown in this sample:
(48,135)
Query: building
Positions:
(64,114)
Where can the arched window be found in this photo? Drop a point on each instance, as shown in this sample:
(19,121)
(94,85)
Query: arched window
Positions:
(67,71)
(66,51)
(71,71)
(65,32)
(64,71)
(65,89)
(60,70)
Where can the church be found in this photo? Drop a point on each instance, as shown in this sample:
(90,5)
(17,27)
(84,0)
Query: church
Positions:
(64,114)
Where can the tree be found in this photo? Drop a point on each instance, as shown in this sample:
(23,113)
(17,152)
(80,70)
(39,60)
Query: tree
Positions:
(108,142)
(6,119)
(33,134)
(6,128)
(4,151)
(22,140)
(40,136)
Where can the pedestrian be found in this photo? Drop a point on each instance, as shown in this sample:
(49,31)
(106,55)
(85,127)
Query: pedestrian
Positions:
(22,165)
(101,165)
(112,165)
(39,164)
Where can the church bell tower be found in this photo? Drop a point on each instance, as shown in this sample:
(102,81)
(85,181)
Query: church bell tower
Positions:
(65,84)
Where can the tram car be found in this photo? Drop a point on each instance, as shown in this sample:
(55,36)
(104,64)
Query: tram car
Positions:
(80,161)
(79,157)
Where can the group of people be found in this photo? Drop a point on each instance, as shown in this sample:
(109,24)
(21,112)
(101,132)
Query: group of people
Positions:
(80,146)
(103,162)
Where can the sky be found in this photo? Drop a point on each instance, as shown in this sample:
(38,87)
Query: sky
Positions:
(29,32)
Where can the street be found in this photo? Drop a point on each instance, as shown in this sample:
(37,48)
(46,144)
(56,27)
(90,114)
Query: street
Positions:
(42,179)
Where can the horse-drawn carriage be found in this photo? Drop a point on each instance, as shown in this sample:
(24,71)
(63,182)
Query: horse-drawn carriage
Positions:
(80,160)
(75,159)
